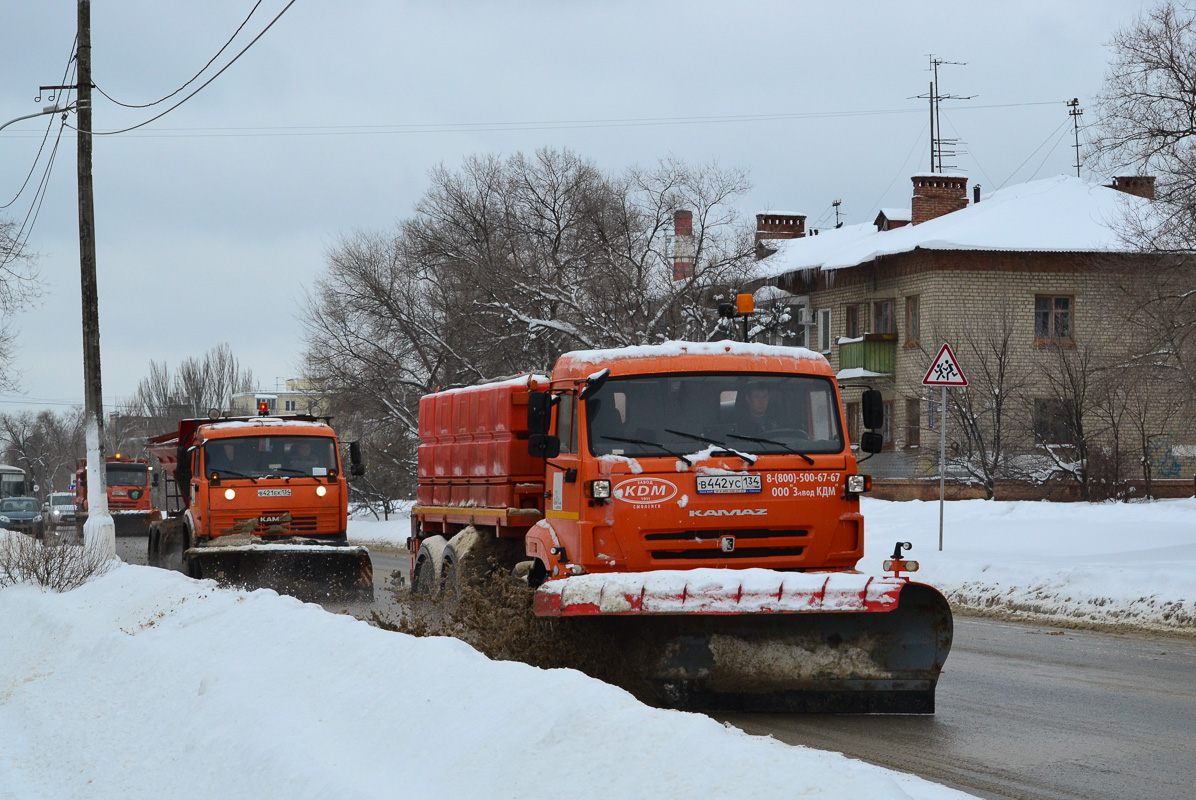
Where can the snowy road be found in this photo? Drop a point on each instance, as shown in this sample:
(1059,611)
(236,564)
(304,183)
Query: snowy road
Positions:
(1034,712)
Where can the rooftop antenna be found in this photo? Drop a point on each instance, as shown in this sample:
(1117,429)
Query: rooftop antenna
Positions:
(940,146)
(836,204)
(1074,110)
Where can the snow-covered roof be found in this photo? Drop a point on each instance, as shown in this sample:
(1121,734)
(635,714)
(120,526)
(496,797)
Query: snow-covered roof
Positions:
(897,214)
(1060,214)
(675,349)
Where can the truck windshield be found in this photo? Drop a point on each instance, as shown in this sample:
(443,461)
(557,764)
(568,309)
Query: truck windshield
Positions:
(259,456)
(124,476)
(750,412)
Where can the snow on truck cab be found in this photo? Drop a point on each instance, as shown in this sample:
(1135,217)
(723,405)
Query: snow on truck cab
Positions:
(703,494)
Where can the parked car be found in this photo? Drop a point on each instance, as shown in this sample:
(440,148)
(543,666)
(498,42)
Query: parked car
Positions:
(59,510)
(21,514)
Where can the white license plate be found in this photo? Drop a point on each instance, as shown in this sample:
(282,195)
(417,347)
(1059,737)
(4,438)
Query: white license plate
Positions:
(273,492)
(728,484)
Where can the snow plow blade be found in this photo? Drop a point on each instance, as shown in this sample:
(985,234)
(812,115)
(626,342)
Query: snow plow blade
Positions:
(762,641)
(312,572)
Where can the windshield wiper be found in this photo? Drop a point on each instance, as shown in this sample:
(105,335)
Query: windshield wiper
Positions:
(646,443)
(748,457)
(294,471)
(772,441)
(232,473)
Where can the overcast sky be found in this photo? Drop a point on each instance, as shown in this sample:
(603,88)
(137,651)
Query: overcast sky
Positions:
(212,221)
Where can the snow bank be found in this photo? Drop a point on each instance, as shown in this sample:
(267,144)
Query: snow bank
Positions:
(146,684)
(1071,563)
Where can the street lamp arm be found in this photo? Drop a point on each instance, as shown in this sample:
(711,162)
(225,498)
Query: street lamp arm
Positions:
(42,113)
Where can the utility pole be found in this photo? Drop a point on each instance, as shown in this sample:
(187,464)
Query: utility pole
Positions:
(99,531)
(1074,110)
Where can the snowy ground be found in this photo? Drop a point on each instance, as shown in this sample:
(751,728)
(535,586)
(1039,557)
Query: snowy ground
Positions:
(145,684)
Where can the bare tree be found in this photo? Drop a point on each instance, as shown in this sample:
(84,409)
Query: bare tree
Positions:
(46,444)
(984,429)
(19,286)
(1147,112)
(507,264)
(198,385)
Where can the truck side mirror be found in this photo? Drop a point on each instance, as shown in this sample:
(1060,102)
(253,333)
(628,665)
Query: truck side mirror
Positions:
(542,445)
(873,408)
(356,467)
(539,411)
(872,442)
(593,383)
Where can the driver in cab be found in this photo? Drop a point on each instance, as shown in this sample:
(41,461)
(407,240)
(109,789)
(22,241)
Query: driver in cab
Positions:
(758,412)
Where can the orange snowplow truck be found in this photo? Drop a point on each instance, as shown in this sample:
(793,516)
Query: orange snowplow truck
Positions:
(260,502)
(129,482)
(701,501)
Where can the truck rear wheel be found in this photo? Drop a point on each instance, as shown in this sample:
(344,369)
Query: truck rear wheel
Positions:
(474,553)
(429,567)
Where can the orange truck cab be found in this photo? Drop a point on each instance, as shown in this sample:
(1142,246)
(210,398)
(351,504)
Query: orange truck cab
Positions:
(129,481)
(259,501)
(653,460)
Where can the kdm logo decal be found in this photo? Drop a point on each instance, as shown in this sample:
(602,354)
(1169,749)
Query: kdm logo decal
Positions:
(645,491)
(730,512)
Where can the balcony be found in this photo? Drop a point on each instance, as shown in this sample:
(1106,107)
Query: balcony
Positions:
(871,355)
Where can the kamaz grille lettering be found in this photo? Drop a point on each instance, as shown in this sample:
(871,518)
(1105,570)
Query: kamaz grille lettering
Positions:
(730,512)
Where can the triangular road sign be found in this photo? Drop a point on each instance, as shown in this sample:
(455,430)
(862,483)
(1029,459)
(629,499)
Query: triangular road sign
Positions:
(945,370)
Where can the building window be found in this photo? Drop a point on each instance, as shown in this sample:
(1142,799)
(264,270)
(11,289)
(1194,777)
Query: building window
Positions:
(851,322)
(882,317)
(1052,319)
(913,423)
(913,320)
(1052,421)
(291,405)
(853,422)
(824,330)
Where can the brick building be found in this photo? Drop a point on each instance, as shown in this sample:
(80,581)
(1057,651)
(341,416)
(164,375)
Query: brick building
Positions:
(1040,261)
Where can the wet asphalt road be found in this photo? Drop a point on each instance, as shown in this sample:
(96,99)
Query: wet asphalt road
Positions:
(1023,711)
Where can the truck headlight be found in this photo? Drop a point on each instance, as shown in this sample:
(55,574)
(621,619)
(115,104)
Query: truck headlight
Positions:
(857,484)
(321,490)
(229,494)
(599,490)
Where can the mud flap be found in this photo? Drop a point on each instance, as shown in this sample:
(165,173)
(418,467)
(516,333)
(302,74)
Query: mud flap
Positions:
(315,573)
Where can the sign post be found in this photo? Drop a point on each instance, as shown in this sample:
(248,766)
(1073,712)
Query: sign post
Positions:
(944,371)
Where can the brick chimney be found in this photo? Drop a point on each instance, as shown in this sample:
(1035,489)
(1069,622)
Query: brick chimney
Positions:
(936,194)
(780,226)
(683,245)
(1140,185)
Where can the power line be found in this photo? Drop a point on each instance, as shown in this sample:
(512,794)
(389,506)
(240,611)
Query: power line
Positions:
(49,126)
(205,83)
(35,206)
(193,77)
(1035,151)
(476,127)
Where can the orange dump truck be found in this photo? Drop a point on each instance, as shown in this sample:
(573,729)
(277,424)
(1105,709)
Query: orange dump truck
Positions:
(701,500)
(128,482)
(259,502)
